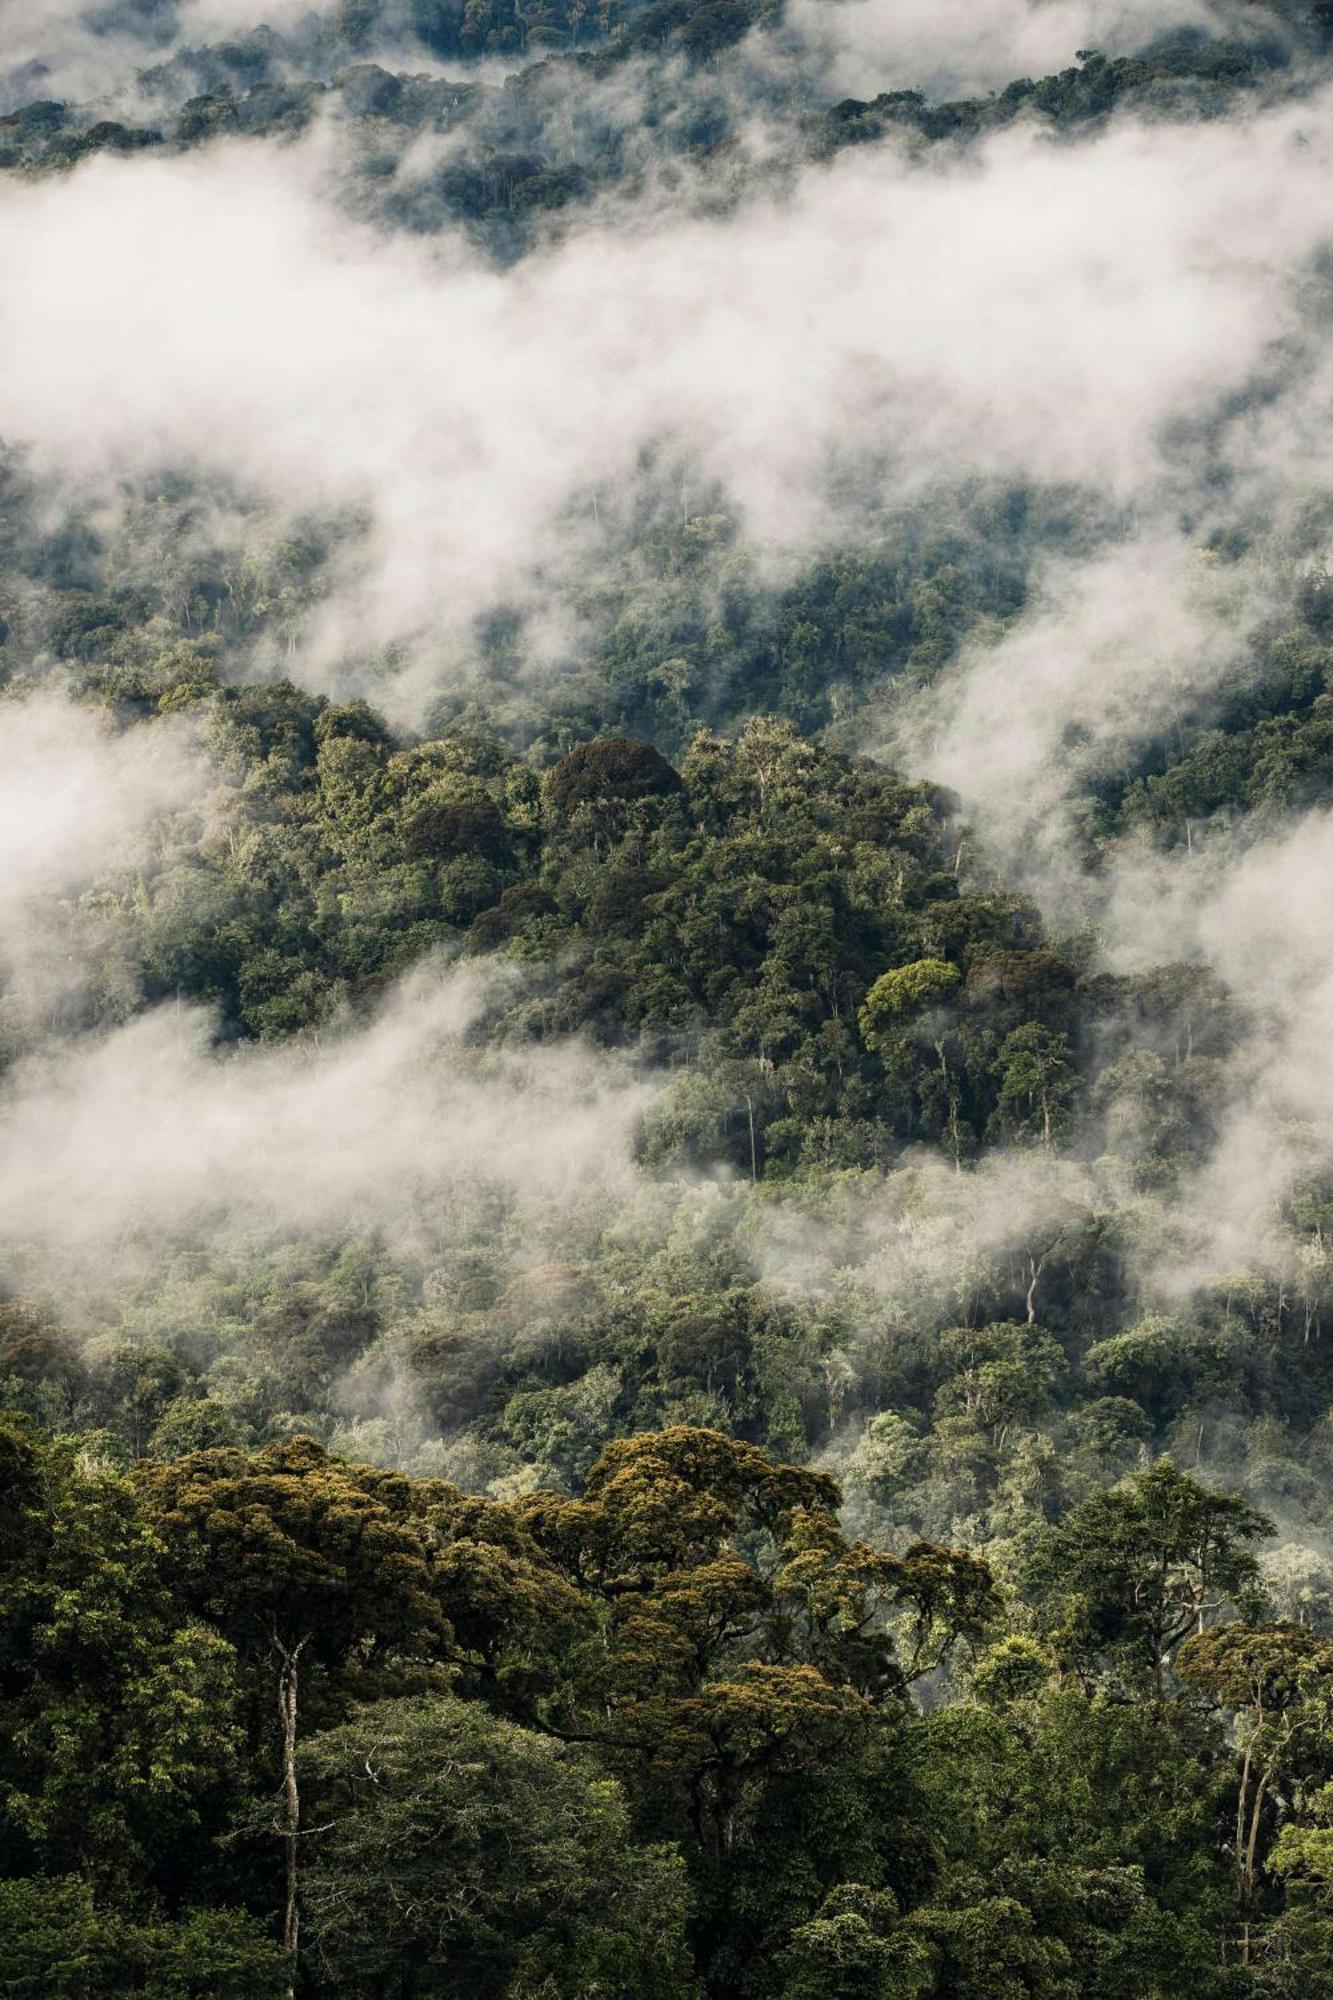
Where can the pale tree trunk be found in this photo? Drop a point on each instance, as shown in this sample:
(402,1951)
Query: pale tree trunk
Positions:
(1242,1804)
(1034,1273)
(1251,1870)
(289,1658)
(951,1101)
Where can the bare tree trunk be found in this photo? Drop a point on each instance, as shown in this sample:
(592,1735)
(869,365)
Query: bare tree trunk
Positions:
(1242,1804)
(1034,1272)
(951,1101)
(1252,1844)
(288,1687)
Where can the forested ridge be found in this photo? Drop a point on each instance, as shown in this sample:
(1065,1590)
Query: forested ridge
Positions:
(666,748)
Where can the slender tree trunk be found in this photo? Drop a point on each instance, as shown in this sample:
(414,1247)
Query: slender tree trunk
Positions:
(1242,1802)
(288,1690)
(1160,1640)
(1034,1273)
(1252,1844)
(951,1101)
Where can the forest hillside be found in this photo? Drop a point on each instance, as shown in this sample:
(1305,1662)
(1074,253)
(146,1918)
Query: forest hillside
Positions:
(666,976)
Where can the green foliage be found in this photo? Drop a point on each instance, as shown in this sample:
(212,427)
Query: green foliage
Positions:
(117,1706)
(651,1708)
(55,1941)
(1130,1573)
(681,1749)
(463,1855)
(855,1947)
(909,990)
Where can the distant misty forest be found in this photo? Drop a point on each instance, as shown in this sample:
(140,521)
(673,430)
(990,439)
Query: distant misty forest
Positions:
(666,978)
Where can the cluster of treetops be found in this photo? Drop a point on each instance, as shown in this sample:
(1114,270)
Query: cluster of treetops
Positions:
(798,932)
(275,1721)
(1034,1713)
(785,926)
(649,1717)
(564,129)
(797,938)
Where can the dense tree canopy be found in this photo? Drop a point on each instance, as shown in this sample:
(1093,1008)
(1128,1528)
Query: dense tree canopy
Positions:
(745,1751)
(858,1529)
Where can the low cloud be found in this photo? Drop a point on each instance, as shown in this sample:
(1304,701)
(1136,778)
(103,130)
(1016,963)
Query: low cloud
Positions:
(123,1144)
(1109,656)
(78,798)
(965,48)
(1029,310)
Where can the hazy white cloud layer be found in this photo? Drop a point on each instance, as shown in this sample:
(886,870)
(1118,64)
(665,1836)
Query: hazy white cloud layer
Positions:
(149,1134)
(115,1145)
(1033,309)
(76,793)
(78,799)
(927,1239)
(1110,653)
(87,52)
(963,48)
(947,48)
(1267,927)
